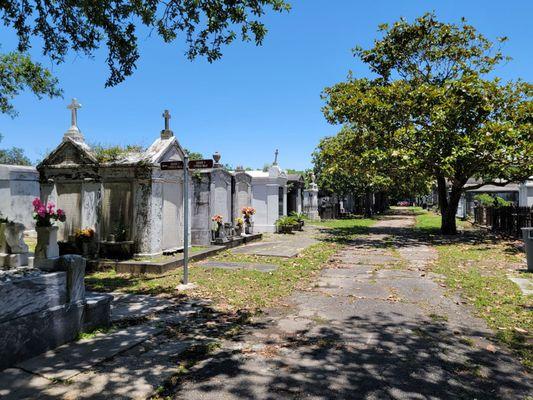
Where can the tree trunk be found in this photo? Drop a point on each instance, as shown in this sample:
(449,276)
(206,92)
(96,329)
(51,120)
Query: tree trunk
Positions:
(448,222)
(368,205)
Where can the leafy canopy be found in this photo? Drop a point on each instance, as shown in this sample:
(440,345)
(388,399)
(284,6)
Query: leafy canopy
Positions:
(432,107)
(17,73)
(85,26)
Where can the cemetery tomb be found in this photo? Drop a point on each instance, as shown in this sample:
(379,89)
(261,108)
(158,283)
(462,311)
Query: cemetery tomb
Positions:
(133,206)
(19,185)
(295,193)
(310,200)
(213,194)
(269,197)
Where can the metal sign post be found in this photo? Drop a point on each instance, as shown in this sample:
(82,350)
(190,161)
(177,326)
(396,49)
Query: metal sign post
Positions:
(186,165)
(186,220)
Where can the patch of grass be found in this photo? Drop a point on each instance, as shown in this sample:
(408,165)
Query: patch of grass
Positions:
(344,230)
(479,271)
(243,288)
(438,318)
(411,209)
(345,223)
(467,341)
(317,319)
(94,332)
(430,222)
(31,241)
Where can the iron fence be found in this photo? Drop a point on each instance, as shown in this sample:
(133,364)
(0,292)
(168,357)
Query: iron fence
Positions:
(507,220)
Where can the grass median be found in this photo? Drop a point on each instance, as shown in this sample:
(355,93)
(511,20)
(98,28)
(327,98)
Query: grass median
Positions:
(478,265)
(243,288)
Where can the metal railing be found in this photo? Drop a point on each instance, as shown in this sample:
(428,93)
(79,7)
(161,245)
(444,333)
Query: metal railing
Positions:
(507,220)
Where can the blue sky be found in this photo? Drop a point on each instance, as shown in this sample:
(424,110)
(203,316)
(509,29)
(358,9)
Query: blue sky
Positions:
(255,99)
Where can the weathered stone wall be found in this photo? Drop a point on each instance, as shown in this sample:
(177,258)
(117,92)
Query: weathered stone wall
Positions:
(19,185)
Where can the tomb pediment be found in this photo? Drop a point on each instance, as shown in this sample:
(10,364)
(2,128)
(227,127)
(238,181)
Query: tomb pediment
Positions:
(70,152)
(165,150)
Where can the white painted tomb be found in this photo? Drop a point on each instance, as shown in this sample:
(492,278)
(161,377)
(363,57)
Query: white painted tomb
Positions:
(269,197)
(19,185)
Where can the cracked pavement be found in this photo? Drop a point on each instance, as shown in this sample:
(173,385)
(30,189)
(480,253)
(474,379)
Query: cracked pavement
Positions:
(376,325)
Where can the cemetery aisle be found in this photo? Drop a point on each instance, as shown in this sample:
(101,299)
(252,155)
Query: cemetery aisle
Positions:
(376,325)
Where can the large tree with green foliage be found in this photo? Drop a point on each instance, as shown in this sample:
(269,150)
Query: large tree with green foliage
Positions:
(431,109)
(352,162)
(85,26)
(13,156)
(17,73)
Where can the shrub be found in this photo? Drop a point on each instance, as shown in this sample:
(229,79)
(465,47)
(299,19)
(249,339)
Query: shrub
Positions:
(486,200)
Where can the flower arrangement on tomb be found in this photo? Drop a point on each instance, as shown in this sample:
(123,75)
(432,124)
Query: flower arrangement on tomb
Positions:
(218,219)
(247,213)
(45,213)
(84,235)
(239,222)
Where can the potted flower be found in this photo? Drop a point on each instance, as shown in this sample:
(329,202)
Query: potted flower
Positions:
(239,224)
(247,213)
(217,222)
(84,237)
(284,225)
(45,216)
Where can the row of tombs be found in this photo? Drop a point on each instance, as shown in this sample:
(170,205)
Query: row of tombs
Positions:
(128,198)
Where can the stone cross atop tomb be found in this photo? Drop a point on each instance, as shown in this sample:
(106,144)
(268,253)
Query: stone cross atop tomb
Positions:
(74,132)
(167,132)
(275,157)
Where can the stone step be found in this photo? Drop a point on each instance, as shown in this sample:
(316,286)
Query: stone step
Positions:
(73,358)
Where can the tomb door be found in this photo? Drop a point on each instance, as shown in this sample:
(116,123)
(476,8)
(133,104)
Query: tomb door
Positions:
(172,198)
(69,200)
(221,202)
(243,196)
(117,209)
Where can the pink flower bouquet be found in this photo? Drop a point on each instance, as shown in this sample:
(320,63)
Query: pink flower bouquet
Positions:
(45,213)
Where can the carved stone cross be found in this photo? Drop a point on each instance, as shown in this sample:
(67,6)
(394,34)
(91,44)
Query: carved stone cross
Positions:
(167,117)
(166,133)
(276,157)
(74,132)
(73,107)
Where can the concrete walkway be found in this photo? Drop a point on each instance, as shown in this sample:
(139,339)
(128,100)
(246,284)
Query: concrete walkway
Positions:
(376,325)
(277,245)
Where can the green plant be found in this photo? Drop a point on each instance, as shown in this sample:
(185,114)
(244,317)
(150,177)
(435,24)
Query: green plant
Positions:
(120,232)
(484,199)
(285,224)
(114,153)
(487,200)
(300,217)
